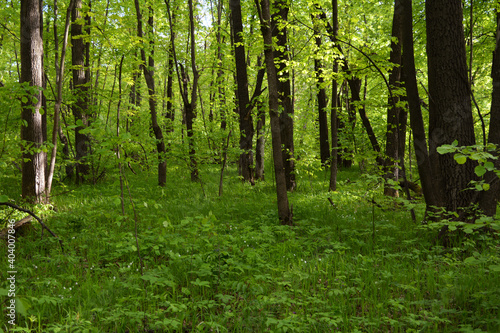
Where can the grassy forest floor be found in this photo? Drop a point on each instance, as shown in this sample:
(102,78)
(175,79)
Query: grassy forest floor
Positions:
(224,264)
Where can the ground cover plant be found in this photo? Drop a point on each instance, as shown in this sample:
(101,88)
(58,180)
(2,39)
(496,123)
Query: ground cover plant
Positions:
(225,264)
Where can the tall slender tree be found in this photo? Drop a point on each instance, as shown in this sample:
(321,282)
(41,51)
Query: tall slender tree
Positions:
(81,79)
(393,111)
(324,145)
(489,199)
(279,23)
(430,190)
(246,120)
(334,106)
(34,157)
(148,66)
(284,211)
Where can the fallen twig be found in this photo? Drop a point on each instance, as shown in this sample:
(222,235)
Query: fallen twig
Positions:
(36,217)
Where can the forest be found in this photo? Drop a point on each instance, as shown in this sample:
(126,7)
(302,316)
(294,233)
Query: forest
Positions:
(249,166)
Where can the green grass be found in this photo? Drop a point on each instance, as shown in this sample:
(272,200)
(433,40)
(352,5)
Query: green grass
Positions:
(225,264)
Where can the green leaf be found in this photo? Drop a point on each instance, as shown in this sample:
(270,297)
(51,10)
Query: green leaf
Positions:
(494,268)
(480,170)
(461,159)
(4,198)
(445,149)
(486,186)
(470,260)
(22,305)
(489,166)
(117,201)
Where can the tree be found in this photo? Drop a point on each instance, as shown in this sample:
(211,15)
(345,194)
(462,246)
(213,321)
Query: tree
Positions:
(34,158)
(56,129)
(430,191)
(148,71)
(246,120)
(445,183)
(334,106)
(284,212)
(393,111)
(321,99)
(279,23)
(489,199)
(81,79)
(450,112)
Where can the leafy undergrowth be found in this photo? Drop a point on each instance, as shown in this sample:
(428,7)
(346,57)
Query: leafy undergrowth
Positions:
(225,264)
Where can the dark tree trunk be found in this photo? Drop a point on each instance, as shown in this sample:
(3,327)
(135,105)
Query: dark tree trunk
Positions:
(489,199)
(220,72)
(450,112)
(80,90)
(355,85)
(284,212)
(333,113)
(189,119)
(170,90)
(34,162)
(324,146)
(432,192)
(148,70)
(279,30)
(393,111)
(246,121)
(261,142)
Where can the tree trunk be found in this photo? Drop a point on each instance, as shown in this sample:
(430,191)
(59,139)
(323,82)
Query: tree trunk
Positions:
(284,212)
(432,192)
(261,142)
(80,90)
(246,121)
(170,115)
(333,113)
(355,85)
(34,160)
(148,70)
(450,112)
(284,89)
(489,199)
(56,128)
(393,111)
(324,146)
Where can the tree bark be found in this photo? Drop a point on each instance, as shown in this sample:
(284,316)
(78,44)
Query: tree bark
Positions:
(281,54)
(432,192)
(489,199)
(284,212)
(393,111)
(148,71)
(80,90)
(333,112)
(355,85)
(324,146)
(34,159)
(261,141)
(450,112)
(170,114)
(246,121)
(56,129)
